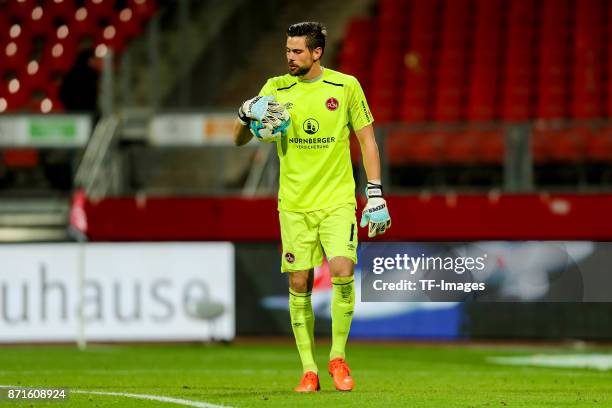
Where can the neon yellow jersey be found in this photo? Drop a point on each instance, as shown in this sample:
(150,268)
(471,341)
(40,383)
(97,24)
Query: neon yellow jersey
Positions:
(315,159)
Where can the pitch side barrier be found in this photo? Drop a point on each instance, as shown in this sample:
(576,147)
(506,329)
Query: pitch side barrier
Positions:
(553,228)
(441,217)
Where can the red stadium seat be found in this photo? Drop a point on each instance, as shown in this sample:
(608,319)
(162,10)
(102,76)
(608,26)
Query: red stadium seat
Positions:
(4,24)
(15,93)
(541,144)
(20,158)
(111,37)
(143,8)
(84,23)
(61,9)
(21,9)
(410,148)
(587,70)
(48,104)
(40,21)
(14,55)
(100,9)
(383,99)
(127,23)
(37,76)
(396,147)
(59,56)
(424,12)
(559,145)
(608,101)
(522,12)
(413,111)
(482,94)
(516,103)
(19,33)
(416,85)
(455,24)
(489,146)
(459,148)
(552,102)
(351,58)
(570,145)
(383,110)
(552,89)
(448,104)
(393,8)
(599,145)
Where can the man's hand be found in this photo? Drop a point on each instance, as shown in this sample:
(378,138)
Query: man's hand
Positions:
(277,116)
(375,214)
(262,108)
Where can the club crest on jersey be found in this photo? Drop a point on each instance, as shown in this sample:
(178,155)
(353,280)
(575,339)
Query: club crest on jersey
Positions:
(332,104)
(289,257)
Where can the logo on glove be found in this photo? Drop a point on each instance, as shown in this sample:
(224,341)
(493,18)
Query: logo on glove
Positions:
(374,209)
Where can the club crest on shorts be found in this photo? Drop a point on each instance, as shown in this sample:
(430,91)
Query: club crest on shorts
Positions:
(289,257)
(332,104)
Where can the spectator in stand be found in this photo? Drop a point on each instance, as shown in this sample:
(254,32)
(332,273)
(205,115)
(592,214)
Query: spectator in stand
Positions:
(79,88)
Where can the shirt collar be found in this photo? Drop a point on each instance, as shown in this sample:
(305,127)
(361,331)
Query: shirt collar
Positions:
(315,79)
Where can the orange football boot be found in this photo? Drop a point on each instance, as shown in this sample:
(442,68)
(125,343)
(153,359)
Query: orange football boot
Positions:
(308,383)
(341,373)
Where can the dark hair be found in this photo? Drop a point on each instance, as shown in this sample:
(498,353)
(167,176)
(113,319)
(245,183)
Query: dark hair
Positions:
(314,32)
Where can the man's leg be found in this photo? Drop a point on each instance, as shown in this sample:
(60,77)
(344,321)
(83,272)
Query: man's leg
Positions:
(302,323)
(338,234)
(301,252)
(343,303)
(302,316)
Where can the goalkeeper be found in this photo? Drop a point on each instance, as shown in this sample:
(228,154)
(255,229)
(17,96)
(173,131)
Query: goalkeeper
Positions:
(308,113)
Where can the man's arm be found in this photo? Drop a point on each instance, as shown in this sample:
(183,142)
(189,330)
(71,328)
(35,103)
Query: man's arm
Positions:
(242,135)
(375,214)
(369,152)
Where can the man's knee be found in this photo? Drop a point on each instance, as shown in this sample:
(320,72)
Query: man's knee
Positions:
(340,266)
(301,281)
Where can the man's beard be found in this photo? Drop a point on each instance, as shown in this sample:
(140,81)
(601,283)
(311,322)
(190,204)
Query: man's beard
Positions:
(301,71)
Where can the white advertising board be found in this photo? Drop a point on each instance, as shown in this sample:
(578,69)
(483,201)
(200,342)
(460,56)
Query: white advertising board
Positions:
(131,292)
(45,130)
(192,129)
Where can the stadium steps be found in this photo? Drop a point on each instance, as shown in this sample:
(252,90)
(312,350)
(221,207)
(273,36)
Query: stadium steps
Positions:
(249,80)
(175,62)
(33,219)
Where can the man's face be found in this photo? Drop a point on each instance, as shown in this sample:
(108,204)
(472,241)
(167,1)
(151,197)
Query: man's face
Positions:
(299,57)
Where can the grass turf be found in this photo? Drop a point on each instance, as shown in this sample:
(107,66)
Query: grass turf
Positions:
(263,375)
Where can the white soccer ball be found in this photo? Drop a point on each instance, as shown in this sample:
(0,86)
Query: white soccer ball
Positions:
(263,133)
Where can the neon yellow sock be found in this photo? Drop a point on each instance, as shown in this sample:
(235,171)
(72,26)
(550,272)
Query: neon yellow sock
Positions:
(342,307)
(302,322)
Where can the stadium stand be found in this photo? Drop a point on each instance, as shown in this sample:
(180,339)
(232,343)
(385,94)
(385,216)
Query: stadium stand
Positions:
(474,61)
(39,42)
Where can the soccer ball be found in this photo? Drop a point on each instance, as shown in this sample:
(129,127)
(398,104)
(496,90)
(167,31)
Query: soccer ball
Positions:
(264,134)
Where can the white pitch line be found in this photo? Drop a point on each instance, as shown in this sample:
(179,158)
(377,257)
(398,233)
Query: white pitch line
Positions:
(596,361)
(179,401)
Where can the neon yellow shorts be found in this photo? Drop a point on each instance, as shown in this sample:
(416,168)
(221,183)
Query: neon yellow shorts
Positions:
(306,234)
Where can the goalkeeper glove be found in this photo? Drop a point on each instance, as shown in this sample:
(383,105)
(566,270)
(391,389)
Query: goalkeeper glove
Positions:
(375,214)
(262,108)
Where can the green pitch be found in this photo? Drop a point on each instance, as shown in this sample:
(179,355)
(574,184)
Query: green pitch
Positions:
(263,376)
